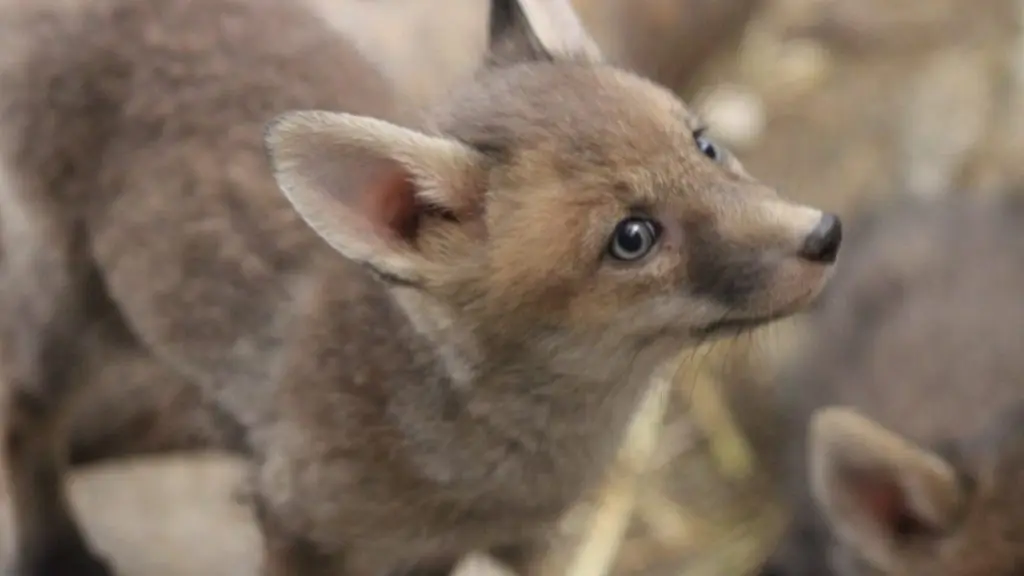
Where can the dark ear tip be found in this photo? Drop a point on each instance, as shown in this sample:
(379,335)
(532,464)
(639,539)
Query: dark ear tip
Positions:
(502,16)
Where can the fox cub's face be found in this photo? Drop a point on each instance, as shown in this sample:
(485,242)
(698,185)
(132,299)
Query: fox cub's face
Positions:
(899,509)
(558,197)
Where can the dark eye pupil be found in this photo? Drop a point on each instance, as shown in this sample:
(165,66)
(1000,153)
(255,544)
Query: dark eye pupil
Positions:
(633,239)
(707,148)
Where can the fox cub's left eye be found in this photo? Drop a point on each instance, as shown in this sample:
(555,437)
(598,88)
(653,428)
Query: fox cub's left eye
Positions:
(634,238)
(706,146)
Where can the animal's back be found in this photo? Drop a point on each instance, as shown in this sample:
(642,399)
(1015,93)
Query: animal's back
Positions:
(100,87)
(134,128)
(919,331)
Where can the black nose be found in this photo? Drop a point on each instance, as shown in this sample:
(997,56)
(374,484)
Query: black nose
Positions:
(822,244)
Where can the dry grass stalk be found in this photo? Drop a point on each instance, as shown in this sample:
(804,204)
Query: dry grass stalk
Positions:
(599,544)
(710,413)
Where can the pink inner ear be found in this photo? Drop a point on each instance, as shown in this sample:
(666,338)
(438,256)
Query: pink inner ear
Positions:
(390,202)
(884,501)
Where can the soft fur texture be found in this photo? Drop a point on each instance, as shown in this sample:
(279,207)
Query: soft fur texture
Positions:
(919,336)
(419,339)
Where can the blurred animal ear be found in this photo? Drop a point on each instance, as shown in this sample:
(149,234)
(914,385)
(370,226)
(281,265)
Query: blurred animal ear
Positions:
(878,491)
(367,186)
(525,30)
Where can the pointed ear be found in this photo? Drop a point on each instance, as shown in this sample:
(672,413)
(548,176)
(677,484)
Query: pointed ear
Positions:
(524,30)
(366,186)
(877,490)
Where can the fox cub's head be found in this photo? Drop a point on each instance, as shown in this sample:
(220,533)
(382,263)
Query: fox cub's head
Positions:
(557,199)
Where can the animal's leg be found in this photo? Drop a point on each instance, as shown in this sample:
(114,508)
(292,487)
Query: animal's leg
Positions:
(139,404)
(44,296)
(286,554)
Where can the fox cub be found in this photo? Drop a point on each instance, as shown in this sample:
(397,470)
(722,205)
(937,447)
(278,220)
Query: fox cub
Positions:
(907,440)
(428,329)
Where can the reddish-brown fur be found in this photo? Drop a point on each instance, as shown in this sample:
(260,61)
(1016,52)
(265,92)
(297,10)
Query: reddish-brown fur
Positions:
(419,334)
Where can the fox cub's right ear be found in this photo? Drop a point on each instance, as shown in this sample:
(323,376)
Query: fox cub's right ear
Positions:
(524,30)
(878,490)
(366,185)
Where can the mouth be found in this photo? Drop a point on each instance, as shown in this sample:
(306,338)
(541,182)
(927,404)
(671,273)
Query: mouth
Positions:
(740,325)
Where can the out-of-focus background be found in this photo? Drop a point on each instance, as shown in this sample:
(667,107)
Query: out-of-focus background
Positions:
(836,102)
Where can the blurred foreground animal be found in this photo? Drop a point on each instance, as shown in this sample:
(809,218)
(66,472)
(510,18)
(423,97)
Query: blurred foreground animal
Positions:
(907,434)
(425,333)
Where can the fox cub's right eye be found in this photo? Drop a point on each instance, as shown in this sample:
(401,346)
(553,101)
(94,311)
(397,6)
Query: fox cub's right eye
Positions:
(634,237)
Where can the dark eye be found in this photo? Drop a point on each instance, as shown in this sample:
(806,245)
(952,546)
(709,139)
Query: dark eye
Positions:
(633,238)
(706,146)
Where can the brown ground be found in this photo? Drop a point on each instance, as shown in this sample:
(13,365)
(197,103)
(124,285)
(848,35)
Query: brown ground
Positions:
(860,98)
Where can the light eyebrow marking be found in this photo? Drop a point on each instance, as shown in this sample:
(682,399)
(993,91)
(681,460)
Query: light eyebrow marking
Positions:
(695,123)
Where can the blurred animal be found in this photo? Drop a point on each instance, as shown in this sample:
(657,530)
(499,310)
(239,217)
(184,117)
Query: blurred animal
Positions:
(425,332)
(917,340)
(426,51)
(671,41)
